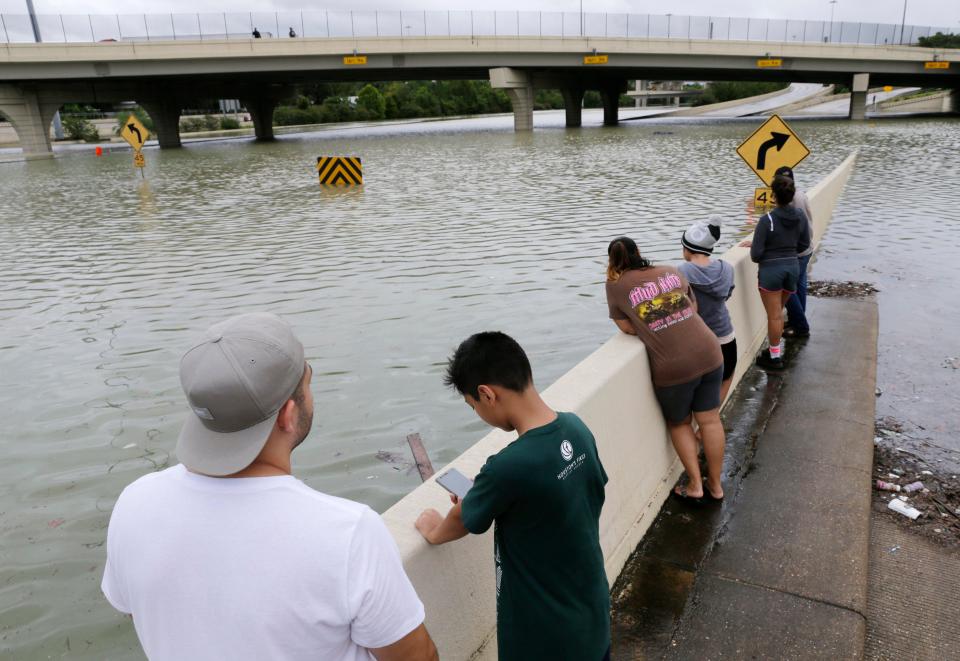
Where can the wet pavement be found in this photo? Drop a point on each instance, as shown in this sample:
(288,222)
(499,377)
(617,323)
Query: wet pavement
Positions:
(779,569)
(653,588)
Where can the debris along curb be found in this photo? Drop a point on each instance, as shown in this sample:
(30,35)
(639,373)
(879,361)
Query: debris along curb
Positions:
(787,575)
(914,483)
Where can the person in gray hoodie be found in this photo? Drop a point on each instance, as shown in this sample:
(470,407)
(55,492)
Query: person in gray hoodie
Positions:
(778,238)
(712,283)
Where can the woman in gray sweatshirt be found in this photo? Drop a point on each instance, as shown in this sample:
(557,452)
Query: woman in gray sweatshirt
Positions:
(779,237)
(712,283)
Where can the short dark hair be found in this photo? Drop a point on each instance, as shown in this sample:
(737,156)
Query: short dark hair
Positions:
(489,358)
(783,190)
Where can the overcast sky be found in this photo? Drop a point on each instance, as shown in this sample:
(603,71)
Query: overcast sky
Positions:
(940,13)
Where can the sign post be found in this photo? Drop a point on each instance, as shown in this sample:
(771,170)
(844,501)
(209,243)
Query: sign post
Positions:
(136,134)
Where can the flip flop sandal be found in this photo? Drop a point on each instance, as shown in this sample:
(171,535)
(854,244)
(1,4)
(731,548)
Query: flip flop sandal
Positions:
(709,496)
(682,496)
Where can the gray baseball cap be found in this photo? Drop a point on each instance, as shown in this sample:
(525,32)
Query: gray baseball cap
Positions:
(236,380)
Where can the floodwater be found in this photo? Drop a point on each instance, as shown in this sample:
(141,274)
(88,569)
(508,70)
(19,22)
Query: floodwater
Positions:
(461,226)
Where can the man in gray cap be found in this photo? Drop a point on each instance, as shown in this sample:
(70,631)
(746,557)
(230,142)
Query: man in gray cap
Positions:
(227,555)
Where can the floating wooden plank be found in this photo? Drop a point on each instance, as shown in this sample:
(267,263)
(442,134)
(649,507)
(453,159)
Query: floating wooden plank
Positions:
(420,456)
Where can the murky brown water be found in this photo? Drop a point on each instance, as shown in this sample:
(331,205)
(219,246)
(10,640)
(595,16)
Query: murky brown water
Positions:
(461,226)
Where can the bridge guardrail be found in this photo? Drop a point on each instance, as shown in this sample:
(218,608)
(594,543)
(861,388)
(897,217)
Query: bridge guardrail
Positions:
(86,28)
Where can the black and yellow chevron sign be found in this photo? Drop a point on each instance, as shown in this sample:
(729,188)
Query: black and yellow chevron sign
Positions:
(340,170)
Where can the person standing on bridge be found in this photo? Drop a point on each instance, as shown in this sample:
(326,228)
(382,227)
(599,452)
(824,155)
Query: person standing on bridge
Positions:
(797,324)
(227,555)
(779,237)
(657,304)
(543,494)
(293,35)
(256,33)
(712,283)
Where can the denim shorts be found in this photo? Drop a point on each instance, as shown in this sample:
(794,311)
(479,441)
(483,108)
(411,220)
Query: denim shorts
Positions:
(779,275)
(700,394)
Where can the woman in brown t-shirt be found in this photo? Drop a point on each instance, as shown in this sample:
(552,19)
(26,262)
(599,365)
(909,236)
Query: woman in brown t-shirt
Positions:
(655,303)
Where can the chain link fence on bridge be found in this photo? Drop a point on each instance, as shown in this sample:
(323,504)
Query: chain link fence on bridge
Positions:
(86,28)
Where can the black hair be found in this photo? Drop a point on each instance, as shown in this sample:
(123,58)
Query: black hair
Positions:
(624,255)
(785,171)
(490,358)
(783,190)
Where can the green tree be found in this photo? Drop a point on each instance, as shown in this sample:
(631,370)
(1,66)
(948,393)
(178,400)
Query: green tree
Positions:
(940,40)
(141,114)
(547,100)
(77,128)
(592,99)
(371,101)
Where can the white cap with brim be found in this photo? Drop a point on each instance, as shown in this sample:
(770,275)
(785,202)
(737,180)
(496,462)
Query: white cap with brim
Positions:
(236,380)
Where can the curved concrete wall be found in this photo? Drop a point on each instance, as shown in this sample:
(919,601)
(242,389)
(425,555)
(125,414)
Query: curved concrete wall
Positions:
(612,392)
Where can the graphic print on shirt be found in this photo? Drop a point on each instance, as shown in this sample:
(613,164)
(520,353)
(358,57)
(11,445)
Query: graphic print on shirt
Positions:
(662,303)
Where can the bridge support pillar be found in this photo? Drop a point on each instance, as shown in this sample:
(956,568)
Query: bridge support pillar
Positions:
(261,112)
(858,96)
(519,88)
(30,118)
(165,113)
(573,105)
(611,102)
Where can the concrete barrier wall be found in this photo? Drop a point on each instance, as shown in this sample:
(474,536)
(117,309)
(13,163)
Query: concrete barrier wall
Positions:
(611,390)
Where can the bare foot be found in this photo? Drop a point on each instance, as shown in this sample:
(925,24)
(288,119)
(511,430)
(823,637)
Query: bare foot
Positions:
(716,494)
(687,493)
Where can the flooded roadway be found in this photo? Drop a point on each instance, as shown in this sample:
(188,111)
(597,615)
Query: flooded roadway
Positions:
(461,226)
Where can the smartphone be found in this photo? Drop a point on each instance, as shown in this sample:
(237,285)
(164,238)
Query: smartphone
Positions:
(455,482)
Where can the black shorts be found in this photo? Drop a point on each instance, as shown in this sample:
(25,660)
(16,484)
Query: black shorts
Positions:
(729,358)
(779,275)
(700,394)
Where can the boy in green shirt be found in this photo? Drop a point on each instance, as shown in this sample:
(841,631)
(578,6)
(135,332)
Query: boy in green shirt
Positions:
(544,493)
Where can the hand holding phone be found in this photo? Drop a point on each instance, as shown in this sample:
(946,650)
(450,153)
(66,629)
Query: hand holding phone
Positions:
(455,482)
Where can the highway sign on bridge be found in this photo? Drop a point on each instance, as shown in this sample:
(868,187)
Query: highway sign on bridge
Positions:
(772,146)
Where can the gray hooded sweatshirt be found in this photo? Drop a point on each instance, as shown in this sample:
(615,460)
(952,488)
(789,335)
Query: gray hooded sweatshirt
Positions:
(712,286)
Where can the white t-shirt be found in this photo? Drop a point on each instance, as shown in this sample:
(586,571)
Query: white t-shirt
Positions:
(254,568)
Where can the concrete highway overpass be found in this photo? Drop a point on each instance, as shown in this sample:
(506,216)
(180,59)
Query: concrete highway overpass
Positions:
(164,76)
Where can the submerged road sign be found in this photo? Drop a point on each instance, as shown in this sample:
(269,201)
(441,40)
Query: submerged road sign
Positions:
(340,170)
(134,132)
(772,146)
(138,160)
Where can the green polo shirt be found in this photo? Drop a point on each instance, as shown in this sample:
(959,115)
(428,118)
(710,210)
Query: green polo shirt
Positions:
(545,492)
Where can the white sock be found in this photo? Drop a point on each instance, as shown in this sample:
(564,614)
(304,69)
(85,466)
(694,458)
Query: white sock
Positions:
(775,351)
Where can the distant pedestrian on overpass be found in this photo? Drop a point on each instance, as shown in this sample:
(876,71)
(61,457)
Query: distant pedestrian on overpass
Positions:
(797,324)
(657,304)
(256,33)
(293,35)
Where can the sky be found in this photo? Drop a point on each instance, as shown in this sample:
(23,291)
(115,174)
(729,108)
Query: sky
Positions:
(939,13)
